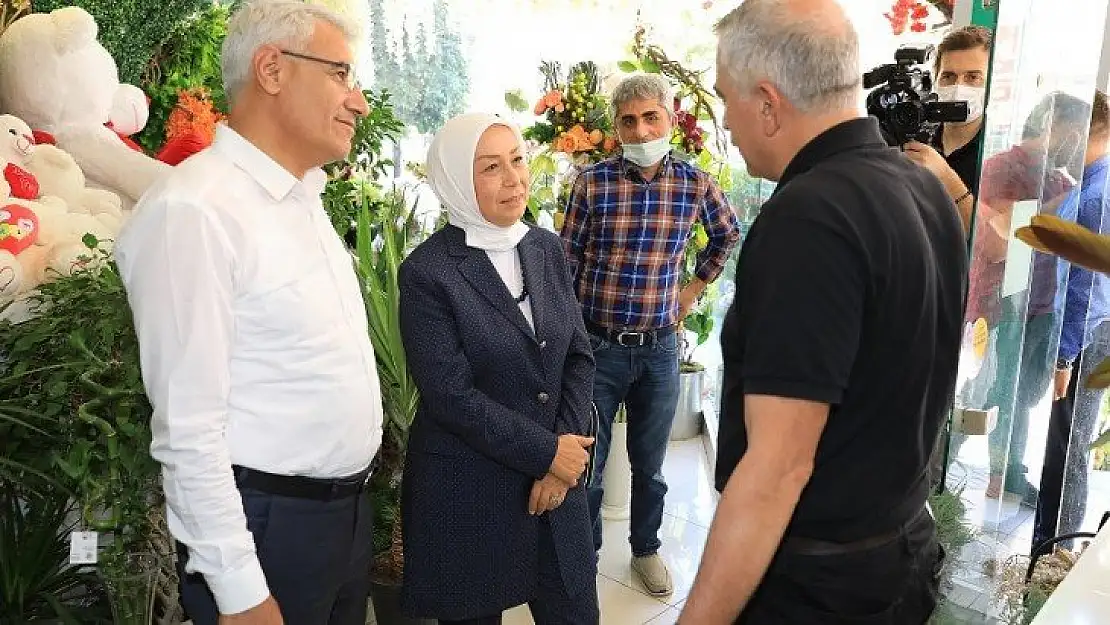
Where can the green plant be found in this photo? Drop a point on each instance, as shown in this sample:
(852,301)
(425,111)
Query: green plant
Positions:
(36,580)
(386,232)
(348,178)
(131,30)
(188,59)
(953,532)
(700,319)
(75,364)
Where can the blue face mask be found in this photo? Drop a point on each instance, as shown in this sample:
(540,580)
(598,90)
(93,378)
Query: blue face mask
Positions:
(647,154)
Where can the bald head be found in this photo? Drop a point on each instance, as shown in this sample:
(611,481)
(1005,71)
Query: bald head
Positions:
(808,49)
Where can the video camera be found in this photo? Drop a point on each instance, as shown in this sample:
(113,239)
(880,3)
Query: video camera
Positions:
(903,99)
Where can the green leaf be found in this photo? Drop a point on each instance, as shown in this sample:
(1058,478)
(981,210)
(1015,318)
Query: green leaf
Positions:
(628,66)
(1102,441)
(515,101)
(90,241)
(649,66)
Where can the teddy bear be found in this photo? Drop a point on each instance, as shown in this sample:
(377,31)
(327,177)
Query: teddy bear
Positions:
(17,141)
(48,169)
(40,241)
(58,78)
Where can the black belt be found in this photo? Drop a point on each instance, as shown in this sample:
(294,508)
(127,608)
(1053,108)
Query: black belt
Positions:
(628,338)
(301,487)
(813,547)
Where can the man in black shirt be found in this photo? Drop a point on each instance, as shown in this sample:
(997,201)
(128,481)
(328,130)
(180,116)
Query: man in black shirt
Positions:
(840,348)
(961,68)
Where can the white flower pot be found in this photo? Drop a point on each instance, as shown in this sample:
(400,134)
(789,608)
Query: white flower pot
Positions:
(687,415)
(616,479)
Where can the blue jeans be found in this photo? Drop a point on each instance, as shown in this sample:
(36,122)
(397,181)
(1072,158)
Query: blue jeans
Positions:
(646,380)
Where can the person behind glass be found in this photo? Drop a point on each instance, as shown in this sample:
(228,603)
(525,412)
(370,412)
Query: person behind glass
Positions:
(494,509)
(253,337)
(1085,339)
(1025,325)
(627,224)
(840,348)
(961,69)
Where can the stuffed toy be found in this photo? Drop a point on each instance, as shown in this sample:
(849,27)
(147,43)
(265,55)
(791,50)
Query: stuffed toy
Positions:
(58,78)
(11,277)
(28,164)
(19,227)
(59,176)
(16,144)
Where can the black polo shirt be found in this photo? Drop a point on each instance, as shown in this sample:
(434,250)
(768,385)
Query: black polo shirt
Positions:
(850,291)
(964,160)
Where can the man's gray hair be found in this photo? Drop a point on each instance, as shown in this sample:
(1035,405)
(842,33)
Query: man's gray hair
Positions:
(288,23)
(642,87)
(813,61)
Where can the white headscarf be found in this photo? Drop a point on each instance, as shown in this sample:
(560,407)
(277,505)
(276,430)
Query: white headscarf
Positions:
(451,176)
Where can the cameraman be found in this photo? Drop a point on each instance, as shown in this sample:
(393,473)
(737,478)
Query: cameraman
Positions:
(961,69)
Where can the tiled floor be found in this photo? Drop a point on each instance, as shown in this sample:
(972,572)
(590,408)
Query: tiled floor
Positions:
(689,510)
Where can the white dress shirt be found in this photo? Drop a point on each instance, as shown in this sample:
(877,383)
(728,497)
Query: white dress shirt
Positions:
(254,345)
(507,264)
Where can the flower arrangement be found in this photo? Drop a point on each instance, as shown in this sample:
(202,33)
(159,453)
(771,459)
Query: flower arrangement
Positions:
(576,122)
(688,136)
(913,13)
(193,113)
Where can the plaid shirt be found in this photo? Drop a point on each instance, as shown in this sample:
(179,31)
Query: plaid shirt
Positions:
(626,240)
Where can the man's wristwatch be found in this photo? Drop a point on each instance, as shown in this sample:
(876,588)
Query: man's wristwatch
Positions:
(1063,364)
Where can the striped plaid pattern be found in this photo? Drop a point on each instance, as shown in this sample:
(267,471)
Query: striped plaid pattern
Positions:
(626,240)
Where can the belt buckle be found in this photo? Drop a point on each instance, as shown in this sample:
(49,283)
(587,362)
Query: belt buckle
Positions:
(620,338)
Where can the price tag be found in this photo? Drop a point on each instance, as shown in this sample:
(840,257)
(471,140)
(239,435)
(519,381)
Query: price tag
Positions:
(82,548)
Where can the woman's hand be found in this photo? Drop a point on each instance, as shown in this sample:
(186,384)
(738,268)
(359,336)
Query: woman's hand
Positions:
(548,493)
(570,458)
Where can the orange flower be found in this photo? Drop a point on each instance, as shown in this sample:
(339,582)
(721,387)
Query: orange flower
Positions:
(609,144)
(551,100)
(596,136)
(193,113)
(580,139)
(563,143)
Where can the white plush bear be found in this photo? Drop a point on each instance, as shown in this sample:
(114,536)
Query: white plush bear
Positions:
(59,176)
(55,173)
(57,77)
(17,142)
(11,276)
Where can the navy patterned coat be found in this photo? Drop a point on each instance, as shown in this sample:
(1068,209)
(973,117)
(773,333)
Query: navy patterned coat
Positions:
(494,396)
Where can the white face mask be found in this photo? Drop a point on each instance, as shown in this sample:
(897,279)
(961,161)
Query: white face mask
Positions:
(647,154)
(974,96)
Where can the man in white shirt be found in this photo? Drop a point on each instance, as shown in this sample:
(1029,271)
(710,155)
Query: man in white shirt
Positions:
(255,348)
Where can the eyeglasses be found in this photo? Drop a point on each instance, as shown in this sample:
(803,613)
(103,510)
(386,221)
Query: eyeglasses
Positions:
(345,73)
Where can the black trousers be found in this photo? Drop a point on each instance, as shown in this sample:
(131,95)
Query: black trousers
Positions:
(552,605)
(896,583)
(1073,421)
(316,556)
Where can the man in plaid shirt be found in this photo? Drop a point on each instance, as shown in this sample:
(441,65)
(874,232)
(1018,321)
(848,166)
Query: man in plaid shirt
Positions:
(628,222)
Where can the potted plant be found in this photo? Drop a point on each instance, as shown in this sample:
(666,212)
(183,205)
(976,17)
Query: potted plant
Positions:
(74,412)
(386,230)
(616,477)
(687,418)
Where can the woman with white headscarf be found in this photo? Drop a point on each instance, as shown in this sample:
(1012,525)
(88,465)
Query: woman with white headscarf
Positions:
(494,511)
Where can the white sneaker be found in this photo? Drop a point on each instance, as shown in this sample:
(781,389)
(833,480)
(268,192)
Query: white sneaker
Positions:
(653,574)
